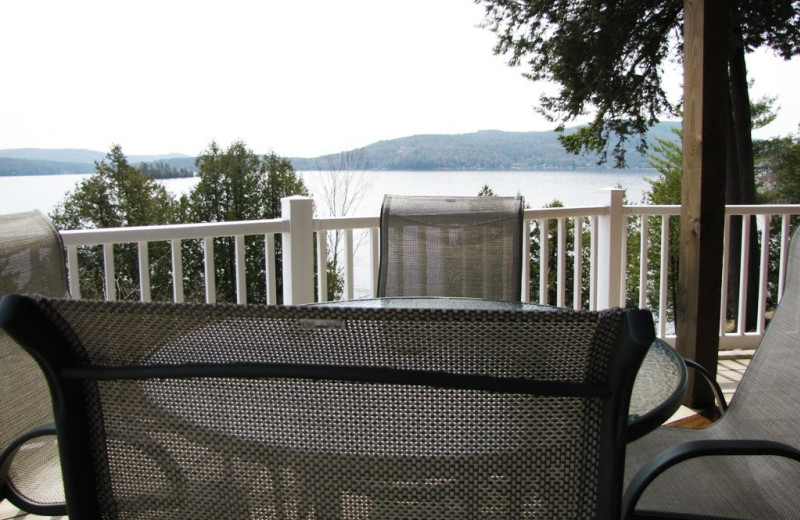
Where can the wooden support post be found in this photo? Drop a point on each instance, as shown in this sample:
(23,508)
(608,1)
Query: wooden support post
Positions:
(703,190)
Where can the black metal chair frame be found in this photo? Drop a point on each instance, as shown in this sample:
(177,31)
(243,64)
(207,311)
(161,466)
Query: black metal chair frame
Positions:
(770,389)
(39,325)
(29,230)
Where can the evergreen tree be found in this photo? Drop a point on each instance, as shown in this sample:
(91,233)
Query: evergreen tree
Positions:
(608,58)
(119,195)
(163,170)
(552,261)
(779,168)
(486,191)
(535,259)
(236,184)
(778,162)
(666,190)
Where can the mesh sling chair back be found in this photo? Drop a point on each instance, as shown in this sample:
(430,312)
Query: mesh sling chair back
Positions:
(31,261)
(746,465)
(204,411)
(451,246)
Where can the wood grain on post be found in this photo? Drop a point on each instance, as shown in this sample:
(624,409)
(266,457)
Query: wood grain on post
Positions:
(703,188)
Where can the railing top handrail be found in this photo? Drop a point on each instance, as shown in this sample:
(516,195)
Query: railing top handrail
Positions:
(650,209)
(336,223)
(572,211)
(730,209)
(100,236)
(762,209)
(85,237)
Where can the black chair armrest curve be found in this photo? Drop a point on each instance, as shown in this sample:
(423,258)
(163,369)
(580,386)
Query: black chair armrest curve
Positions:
(693,449)
(8,491)
(715,388)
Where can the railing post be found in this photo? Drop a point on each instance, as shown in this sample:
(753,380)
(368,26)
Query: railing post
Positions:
(374,247)
(609,251)
(298,250)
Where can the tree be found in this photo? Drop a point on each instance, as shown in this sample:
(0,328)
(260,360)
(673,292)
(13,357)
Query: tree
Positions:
(608,57)
(779,168)
(236,184)
(343,187)
(164,170)
(552,260)
(776,167)
(666,190)
(486,191)
(119,195)
(535,258)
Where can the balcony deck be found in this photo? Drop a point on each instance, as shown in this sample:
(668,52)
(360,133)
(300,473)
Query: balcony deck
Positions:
(601,227)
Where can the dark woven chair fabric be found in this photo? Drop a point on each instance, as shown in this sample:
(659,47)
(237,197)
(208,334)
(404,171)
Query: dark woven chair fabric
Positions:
(451,246)
(31,261)
(222,411)
(766,406)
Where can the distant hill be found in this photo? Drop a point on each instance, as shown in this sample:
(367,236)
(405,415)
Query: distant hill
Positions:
(12,166)
(66,155)
(46,161)
(77,155)
(484,150)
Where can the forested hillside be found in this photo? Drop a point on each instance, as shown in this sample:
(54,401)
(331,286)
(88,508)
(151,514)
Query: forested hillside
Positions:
(485,150)
(12,166)
(44,161)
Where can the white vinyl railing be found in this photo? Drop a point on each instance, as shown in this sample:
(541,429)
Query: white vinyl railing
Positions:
(600,234)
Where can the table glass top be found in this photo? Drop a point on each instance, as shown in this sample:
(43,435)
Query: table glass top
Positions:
(439,303)
(660,381)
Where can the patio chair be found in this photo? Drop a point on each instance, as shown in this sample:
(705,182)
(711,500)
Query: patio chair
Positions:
(746,465)
(226,411)
(451,246)
(32,261)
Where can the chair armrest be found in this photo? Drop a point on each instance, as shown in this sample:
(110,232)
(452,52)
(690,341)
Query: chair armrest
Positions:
(8,491)
(718,395)
(7,455)
(690,450)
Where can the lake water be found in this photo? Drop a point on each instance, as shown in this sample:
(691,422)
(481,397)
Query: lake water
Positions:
(538,187)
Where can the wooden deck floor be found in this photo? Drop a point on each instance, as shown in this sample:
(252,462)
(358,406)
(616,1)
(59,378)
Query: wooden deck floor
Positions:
(729,373)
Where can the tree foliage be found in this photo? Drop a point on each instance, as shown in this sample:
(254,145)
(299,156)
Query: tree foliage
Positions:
(667,158)
(608,57)
(236,184)
(119,195)
(778,162)
(486,191)
(779,168)
(573,228)
(164,170)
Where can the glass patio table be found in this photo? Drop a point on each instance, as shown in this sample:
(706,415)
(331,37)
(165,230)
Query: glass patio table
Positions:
(660,384)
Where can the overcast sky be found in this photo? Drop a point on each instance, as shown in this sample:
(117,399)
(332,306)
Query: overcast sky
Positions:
(297,77)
